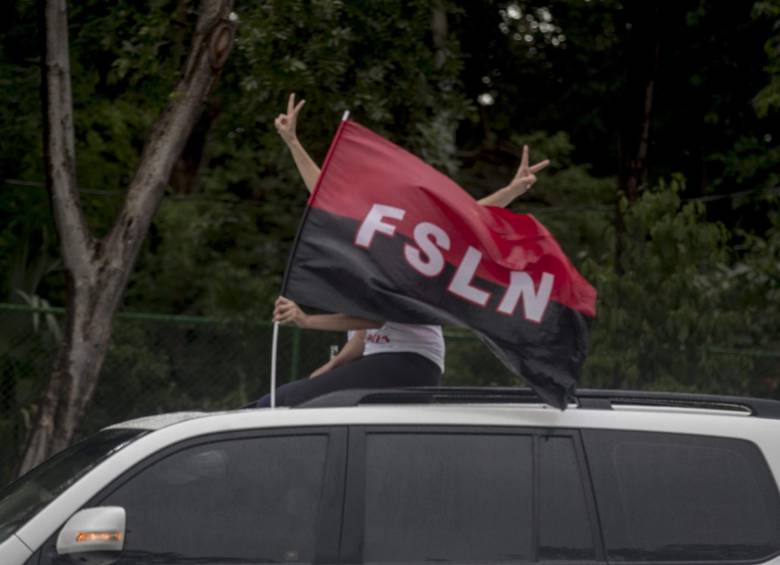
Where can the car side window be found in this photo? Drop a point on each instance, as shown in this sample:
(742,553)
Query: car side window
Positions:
(674,497)
(448,497)
(470,498)
(249,500)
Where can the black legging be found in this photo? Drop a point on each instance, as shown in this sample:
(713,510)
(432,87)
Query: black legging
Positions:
(381,370)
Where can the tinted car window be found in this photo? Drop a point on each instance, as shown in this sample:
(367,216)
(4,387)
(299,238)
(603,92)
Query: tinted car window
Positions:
(668,497)
(565,531)
(251,500)
(448,497)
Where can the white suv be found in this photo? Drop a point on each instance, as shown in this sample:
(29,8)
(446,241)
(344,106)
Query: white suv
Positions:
(414,476)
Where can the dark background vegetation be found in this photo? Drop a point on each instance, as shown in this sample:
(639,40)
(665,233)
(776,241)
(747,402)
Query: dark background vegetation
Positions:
(660,118)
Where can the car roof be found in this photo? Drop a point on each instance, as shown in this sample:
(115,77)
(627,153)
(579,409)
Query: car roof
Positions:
(158,421)
(583,398)
(521,399)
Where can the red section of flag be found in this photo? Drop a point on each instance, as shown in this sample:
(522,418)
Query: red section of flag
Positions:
(364,170)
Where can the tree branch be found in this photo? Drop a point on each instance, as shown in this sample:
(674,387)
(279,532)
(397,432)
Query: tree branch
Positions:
(212,42)
(59,146)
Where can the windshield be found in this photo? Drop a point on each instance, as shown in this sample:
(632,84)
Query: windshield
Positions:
(25,497)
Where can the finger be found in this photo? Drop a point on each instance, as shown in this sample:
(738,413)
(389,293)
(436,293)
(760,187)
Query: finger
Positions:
(284,310)
(282,316)
(524,160)
(299,106)
(291,103)
(539,166)
(527,180)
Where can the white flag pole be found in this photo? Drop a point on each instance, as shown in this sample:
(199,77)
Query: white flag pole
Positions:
(274,342)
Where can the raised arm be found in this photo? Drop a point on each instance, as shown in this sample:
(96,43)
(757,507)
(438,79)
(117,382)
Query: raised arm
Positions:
(524,179)
(288,312)
(286,125)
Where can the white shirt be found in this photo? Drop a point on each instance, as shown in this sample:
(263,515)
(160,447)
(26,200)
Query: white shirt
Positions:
(427,341)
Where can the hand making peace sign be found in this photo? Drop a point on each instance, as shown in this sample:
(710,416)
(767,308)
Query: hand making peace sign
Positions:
(286,123)
(525,177)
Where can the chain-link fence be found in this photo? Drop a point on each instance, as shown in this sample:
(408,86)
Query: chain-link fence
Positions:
(161,364)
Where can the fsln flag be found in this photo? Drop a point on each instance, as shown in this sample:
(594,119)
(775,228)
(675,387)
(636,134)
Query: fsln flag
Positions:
(387,237)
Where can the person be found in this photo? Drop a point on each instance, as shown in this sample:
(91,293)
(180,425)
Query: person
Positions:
(377,354)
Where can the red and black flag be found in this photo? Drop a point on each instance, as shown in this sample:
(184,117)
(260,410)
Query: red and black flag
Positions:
(387,237)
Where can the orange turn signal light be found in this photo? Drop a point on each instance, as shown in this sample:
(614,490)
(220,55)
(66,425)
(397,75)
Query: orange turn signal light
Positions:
(83,537)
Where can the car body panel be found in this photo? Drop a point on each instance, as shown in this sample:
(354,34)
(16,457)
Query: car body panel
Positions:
(14,552)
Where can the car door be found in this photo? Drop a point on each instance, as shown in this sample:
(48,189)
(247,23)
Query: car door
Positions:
(251,497)
(453,494)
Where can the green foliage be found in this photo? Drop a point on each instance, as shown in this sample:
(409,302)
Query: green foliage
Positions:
(667,320)
(756,288)
(768,98)
(26,240)
(469,362)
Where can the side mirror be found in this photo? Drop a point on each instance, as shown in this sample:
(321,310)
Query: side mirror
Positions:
(94,530)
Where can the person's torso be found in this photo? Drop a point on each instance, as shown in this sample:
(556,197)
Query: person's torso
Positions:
(427,341)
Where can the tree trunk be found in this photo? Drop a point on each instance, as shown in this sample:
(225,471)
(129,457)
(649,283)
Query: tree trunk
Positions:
(97,270)
(643,49)
(186,173)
